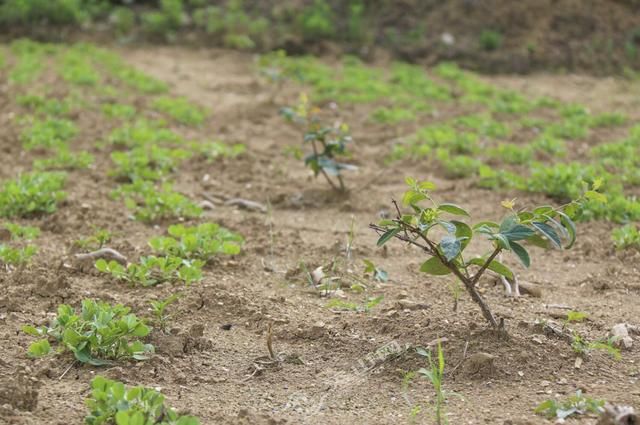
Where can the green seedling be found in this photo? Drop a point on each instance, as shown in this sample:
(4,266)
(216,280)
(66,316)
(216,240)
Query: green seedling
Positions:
(215,150)
(378,274)
(543,226)
(327,142)
(30,194)
(119,111)
(159,307)
(576,316)
(456,290)
(576,405)
(435,375)
(582,347)
(20,255)
(50,133)
(19,232)
(626,237)
(97,240)
(98,335)
(202,242)
(111,402)
(44,106)
(181,110)
(150,204)
(365,307)
(149,162)
(490,40)
(152,270)
(65,160)
(142,133)
(76,68)
(125,74)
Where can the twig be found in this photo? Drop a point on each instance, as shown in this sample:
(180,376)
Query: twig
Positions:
(270,342)
(104,253)
(67,370)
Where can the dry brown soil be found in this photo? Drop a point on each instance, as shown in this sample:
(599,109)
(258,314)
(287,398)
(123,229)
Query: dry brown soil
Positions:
(220,374)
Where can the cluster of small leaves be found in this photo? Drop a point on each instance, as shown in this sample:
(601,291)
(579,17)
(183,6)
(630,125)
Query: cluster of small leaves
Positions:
(215,150)
(153,270)
(150,203)
(627,236)
(18,253)
(365,307)
(97,335)
(148,162)
(583,347)
(576,404)
(50,133)
(141,133)
(33,193)
(202,242)
(45,106)
(98,239)
(64,159)
(119,110)
(327,141)
(378,274)
(111,402)
(159,307)
(181,110)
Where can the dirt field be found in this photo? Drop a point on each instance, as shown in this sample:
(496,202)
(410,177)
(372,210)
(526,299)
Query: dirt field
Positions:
(219,373)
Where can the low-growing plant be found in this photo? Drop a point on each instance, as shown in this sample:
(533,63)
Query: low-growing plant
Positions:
(18,254)
(31,194)
(46,106)
(327,142)
(159,307)
(119,110)
(365,307)
(627,236)
(141,133)
(583,347)
(181,110)
(150,203)
(543,226)
(215,150)
(99,334)
(435,375)
(50,133)
(512,153)
(490,40)
(378,274)
(203,242)
(65,160)
(148,162)
(152,270)
(111,402)
(576,316)
(76,68)
(576,404)
(98,239)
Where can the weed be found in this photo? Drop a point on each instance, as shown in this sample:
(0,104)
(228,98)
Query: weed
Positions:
(44,106)
(50,133)
(512,153)
(316,21)
(458,166)
(582,347)
(65,160)
(627,236)
(31,194)
(150,203)
(543,226)
(98,334)
(165,21)
(111,402)
(378,274)
(365,307)
(152,270)
(574,405)
(76,68)
(549,145)
(123,20)
(327,142)
(158,308)
(20,254)
(181,110)
(202,242)
(385,115)
(576,316)
(435,375)
(19,232)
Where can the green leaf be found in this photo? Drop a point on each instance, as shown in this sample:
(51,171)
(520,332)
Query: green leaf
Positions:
(517,232)
(503,241)
(452,209)
(494,266)
(521,253)
(102,265)
(570,226)
(485,224)
(39,348)
(595,196)
(387,235)
(463,233)
(435,267)
(548,232)
(450,247)
(31,330)
(411,197)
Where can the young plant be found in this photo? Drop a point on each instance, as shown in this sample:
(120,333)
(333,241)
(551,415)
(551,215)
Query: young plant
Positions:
(99,334)
(627,236)
(327,142)
(435,375)
(111,402)
(50,133)
(19,256)
(543,226)
(152,270)
(202,242)
(97,240)
(158,309)
(378,274)
(181,110)
(65,160)
(31,194)
(574,405)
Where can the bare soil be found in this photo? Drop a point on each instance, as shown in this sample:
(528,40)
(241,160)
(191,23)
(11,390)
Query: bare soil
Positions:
(327,375)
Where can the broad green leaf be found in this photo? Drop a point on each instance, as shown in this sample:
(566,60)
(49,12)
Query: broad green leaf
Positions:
(39,348)
(595,196)
(435,267)
(102,265)
(447,225)
(521,253)
(450,247)
(426,185)
(502,240)
(548,232)
(463,233)
(494,266)
(387,235)
(570,226)
(486,224)
(31,330)
(517,233)
(452,209)
(539,241)
(411,197)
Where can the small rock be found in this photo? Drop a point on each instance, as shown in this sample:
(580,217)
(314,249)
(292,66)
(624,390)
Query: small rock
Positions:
(481,363)
(411,305)
(578,363)
(207,205)
(621,335)
(392,313)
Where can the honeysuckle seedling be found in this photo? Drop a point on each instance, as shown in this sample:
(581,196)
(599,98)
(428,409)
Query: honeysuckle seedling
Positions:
(543,226)
(327,142)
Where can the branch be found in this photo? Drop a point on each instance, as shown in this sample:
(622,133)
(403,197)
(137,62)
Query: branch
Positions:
(484,267)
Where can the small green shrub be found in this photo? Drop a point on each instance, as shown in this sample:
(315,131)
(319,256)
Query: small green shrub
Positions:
(316,21)
(31,194)
(142,132)
(76,68)
(181,110)
(50,133)
(36,12)
(98,334)
(149,162)
(123,20)
(490,40)
(512,153)
(65,160)
(166,21)
(44,106)
(111,402)
(152,270)
(150,203)
(203,242)
(627,236)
